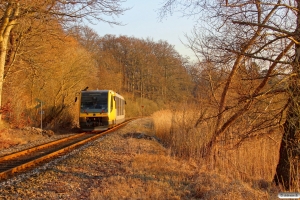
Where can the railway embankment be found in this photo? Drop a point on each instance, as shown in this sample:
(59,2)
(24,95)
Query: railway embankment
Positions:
(129,163)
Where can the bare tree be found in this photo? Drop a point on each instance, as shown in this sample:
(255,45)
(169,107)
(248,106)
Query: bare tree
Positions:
(13,12)
(152,70)
(234,33)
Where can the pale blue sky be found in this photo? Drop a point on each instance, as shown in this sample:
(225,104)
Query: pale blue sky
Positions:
(142,21)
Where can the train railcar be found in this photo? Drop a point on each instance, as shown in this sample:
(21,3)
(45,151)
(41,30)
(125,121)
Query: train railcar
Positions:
(100,109)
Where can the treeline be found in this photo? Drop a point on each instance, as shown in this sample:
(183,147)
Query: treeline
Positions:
(151,74)
(148,69)
(46,66)
(49,64)
(40,64)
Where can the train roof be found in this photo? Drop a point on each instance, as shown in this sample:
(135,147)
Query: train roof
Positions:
(115,93)
(95,91)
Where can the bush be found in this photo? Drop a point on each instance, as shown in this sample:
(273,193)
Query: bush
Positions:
(140,107)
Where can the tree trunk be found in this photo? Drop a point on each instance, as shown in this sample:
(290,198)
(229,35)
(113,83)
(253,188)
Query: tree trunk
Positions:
(7,22)
(287,168)
(288,164)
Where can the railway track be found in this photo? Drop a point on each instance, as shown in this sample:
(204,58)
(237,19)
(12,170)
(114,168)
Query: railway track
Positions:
(21,161)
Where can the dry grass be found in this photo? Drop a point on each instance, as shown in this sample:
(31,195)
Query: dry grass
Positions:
(176,130)
(151,172)
(8,138)
(212,185)
(14,137)
(163,123)
(123,166)
(254,161)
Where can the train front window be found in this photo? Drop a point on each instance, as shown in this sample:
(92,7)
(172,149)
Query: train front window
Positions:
(94,102)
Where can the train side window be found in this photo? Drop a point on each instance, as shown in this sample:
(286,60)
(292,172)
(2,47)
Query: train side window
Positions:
(122,111)
(111,103)
(118,109)
(121,107)
(117,105)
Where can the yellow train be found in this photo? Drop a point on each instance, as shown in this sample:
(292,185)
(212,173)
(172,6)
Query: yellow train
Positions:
(100,109)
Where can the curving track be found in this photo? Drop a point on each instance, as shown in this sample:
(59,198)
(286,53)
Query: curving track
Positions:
(20,161)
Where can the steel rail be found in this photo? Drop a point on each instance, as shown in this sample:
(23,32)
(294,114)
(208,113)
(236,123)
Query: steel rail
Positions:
(38,159)
(36,148)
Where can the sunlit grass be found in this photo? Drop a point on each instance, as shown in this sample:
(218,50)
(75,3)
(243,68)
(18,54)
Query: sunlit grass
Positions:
(254,160)
(153,172)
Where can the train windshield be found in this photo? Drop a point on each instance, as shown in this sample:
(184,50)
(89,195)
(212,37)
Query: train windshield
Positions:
(94,102)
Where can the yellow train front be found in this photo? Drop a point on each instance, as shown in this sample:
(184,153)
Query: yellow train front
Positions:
(100,109)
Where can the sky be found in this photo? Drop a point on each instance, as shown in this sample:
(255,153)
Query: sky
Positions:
(142,21)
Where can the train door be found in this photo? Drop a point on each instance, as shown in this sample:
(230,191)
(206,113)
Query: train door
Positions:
(112,109)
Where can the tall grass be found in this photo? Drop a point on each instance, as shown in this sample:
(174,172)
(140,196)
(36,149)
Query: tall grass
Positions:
(255,159)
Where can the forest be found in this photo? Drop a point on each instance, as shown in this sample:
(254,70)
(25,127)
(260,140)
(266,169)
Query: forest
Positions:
(147,73)
(51,62)
(244,85)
